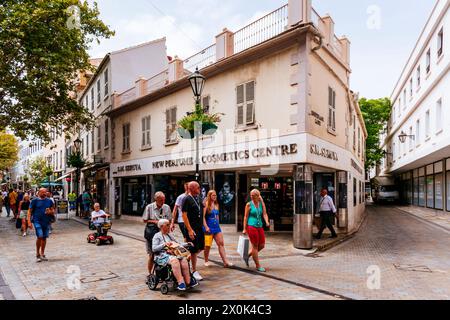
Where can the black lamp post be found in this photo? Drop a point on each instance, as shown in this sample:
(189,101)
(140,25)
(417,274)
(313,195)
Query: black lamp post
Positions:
(77,146)
(402,137)
(197,82)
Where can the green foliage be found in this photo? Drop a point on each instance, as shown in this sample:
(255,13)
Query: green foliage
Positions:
(76,161)
(41,55)
(188,122)
(9,150)
(376,114)
(38,170)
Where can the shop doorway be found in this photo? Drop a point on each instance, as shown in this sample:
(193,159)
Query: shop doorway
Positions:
(278,195)
(172,186)
(134,196)
(324,180)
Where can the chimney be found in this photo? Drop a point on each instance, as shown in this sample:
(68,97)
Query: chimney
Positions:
(326,26)
(175,69)
(224,44)
(299,11)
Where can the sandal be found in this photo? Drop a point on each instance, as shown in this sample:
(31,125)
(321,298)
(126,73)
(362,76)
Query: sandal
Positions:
(261,269)
(228,265)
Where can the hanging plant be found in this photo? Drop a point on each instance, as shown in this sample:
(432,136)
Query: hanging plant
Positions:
(208,121)
(75,161)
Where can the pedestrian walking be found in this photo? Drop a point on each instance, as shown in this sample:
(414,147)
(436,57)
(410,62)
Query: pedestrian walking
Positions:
(212,228)
(177,214)
(326,210)
(72,197)
(40,214)
(24,206)
(255,212)
(87,204)
(193,221)
(154,212)
(2,197)
(6,203)
(13,202)
(53,219)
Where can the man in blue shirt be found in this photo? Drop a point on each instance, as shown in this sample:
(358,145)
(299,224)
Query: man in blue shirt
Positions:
(40,214)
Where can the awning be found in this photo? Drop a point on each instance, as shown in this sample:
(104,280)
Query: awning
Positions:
(51,184)
(64,176)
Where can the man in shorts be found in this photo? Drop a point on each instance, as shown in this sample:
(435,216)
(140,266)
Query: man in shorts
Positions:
(177,213)
(40,214)
(193,221)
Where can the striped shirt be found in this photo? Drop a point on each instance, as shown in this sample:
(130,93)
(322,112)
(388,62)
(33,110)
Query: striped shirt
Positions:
(326,204)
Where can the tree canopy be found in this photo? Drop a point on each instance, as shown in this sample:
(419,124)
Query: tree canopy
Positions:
(43,47)
(38,170)
(376,113)
(9,151)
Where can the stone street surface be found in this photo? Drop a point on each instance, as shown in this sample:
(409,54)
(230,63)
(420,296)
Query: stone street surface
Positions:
(408,251)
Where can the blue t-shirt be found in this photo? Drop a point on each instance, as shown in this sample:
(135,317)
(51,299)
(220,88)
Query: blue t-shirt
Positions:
(38,207)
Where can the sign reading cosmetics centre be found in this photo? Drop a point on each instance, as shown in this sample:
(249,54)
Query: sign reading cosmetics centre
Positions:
(264,152)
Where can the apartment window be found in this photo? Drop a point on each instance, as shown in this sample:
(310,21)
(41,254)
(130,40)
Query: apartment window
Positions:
(245,97)
(394,151)
(126,138)
(411,88)
(404,100)
(427,124)
(92,99)
(428,61)
(146,143)
(171,125)
(439,115)
(440,46)
(359,141)
(411,138)
(99,93)
(105,75)
(418,76)
(331,109)
(92,141)
(354,132)
(418,132)
(60,159)
(99,138)
(86,103)
(106,133)
(206,103)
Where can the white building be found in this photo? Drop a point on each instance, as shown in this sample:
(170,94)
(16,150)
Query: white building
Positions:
(115,73)
(421,117)
(291,125)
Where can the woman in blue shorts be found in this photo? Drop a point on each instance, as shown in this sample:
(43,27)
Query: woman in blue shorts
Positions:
(211,227)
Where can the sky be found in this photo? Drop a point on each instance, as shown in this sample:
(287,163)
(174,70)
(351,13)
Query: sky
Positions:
(382,32)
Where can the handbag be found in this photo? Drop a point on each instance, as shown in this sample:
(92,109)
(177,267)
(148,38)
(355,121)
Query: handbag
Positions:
(18,223)
(243,246)
(150,231)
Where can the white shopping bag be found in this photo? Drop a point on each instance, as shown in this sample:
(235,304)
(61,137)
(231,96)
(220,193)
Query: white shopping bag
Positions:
(243,246)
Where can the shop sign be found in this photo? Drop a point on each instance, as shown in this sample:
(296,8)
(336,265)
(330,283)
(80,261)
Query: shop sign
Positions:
(323,152)
(133,167)
(356,167)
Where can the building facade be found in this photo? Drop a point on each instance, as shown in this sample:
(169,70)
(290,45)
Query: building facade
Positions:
(290,124)
(418,138)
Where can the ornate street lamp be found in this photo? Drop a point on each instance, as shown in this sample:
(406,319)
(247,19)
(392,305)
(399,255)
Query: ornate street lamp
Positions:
(402,137)
(197,82)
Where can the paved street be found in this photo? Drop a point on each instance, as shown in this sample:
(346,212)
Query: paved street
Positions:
(411,255)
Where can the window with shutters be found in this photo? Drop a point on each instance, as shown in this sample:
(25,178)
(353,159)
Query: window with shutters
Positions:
(440,45)
(171,125)
(106,133)
(354,132)
(92,141)
(99,138)
(146,142)
(245,98)
(106,83)
(86,104)
(92,99)
(126,138)
(331,110)
(99,92)
(428,61)
(206,103)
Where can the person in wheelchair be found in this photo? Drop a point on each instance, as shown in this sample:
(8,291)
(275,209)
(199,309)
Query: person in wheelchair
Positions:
(170,253)
(99,218)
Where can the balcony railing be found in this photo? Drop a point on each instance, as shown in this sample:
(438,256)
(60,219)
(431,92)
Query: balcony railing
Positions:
(157,82)
(202,59)
(128,96)
(315,18)
(262,29)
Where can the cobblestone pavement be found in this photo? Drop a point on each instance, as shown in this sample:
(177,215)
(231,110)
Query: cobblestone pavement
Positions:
(439,217)
(122,265)
(411,255)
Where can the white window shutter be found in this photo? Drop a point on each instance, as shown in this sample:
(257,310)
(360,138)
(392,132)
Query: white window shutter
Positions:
(240,115)
(250,113)
(250,91)
(240,94)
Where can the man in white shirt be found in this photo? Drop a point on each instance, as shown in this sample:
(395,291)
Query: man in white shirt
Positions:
(98,217)
(326,210)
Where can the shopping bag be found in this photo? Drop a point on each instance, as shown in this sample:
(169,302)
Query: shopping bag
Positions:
(243,246)
(208,240)
(18,223)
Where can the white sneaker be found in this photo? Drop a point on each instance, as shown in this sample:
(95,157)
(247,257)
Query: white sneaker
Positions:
(197,276)
(207,264)
(24,234)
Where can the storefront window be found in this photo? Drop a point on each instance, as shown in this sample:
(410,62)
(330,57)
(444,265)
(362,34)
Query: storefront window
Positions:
(448,190)
(422,191)
(226,193)
(438,184)
(430,192)
(135,196)
(416,192)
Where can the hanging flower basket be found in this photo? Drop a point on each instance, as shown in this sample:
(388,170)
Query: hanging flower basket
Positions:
(209,123)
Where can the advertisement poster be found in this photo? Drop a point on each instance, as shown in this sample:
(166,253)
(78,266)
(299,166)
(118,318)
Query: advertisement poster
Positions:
(226,193)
